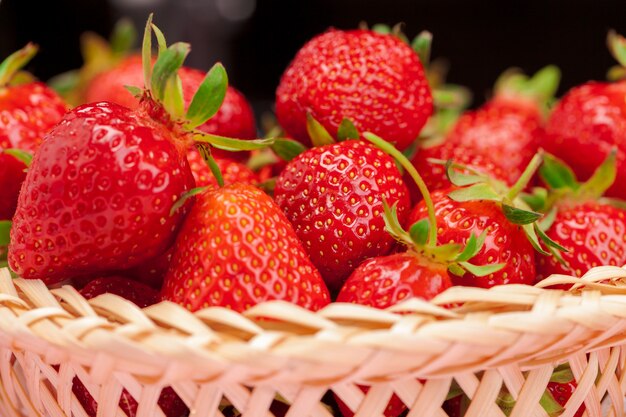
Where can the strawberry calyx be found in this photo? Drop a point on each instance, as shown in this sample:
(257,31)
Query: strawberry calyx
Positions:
(19,154)
(10,68)
(422,236)
(474,186)
(617,47)
(539,89)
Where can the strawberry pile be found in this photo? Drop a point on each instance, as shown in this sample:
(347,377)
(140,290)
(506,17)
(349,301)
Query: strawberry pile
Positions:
(151,183)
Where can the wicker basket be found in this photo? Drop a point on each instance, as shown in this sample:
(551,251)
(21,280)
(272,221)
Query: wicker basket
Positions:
(510,336)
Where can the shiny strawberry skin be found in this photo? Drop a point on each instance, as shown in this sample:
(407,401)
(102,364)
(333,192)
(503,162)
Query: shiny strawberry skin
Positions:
(504,243)
(12,174)
(237,249)
(235,117)
(435,176)
(594,235)
(562,392)
(508,131)
(386,280)
(136,292)
(583,127)
(232,171)
(98,195)
(375,80)
(27,113)
(333,195)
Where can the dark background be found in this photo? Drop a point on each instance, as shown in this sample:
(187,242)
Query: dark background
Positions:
(256,39)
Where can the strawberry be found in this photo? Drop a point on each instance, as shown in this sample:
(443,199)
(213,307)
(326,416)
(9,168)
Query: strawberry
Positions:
(591,228)
(143,296)
(152,271)
(27,112)
(394,408)
(234,118)
(383,281)
(588,122)
(562,391)
(375,80)
(333,195)
(237,249)
(100,190)
(136,292)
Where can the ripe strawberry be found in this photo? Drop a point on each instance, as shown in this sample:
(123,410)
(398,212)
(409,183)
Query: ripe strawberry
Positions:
(333,195)
(588,122)
(232,171)
(505,242)
(27,112)
(136,292)
(561,392)
(375,80)
(98,194)
(152,271)
(12,174)
(234,118)
(386,280)
(237,249)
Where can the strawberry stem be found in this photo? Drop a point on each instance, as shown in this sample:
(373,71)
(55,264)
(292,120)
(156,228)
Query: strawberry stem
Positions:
(14,62)
(421,185)
(526,176)
(146,54)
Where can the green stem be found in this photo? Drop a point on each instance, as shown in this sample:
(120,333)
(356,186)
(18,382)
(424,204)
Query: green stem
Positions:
(146,54)
(526,176)
(421,185)
(15,61)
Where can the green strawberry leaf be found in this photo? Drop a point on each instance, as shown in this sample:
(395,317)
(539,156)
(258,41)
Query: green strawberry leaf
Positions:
(209,97)
(287,149)
(451,96)
(549,404)
(318,133)
(419,232)
(392,223)
(531,234)
(215,169)
(459,178)
(546,222)
(20,155)
(166,66)
(518,216)
(347,130)
(455,269)
(527,175)
(562,376)
(16,61)
(160,38)
(544,83)
(446,252)
(411,150)
(123,37)
(506,402)
(63,83)
(536,200)
(5,232)
(421,45)
(146,53)
(232,144)
(173,100)
(472,247)
(480,191)
(268,185)
(547,241)
(602,179)
(482,270)
(135,91)
(557,174)
(186,196)
(617,47)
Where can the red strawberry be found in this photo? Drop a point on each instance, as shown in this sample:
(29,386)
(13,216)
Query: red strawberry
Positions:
(588,122)
(27,112)
(153,270)
(333,195)
(386,280)
(232,171)
(98,194)
(237,249)
(434,175)
(234,118)
(505,242)
(561,392)
(375,80)
(143,296)
(12,174)
(394,408)
(136,292)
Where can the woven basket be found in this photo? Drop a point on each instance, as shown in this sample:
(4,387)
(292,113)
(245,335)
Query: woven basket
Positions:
(510,336)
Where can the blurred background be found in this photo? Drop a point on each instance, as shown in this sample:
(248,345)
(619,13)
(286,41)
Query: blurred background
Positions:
(256,39)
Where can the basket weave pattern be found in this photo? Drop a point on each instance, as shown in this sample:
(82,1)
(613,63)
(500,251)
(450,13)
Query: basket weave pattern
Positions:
(510,336)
